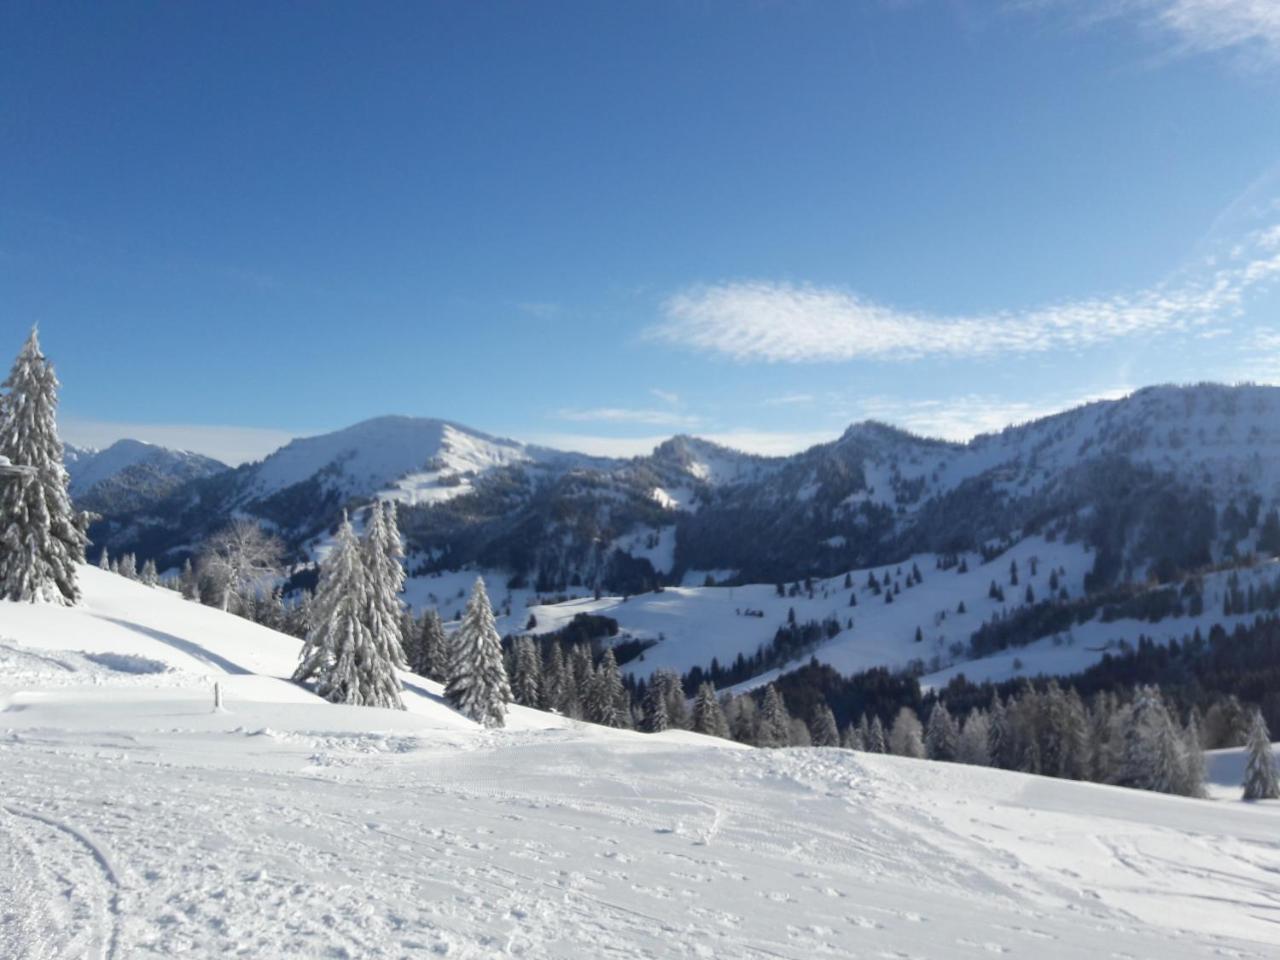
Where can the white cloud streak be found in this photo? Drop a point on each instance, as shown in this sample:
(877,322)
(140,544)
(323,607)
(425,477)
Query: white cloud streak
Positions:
(761,320)
(1202,26)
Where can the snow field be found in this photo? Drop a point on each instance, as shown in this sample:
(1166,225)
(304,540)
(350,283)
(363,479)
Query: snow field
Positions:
(137,822)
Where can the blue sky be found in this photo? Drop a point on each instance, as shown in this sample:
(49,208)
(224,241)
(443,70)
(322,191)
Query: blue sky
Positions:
(599,223)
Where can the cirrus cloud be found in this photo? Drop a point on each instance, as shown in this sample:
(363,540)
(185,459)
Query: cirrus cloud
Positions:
(761,320)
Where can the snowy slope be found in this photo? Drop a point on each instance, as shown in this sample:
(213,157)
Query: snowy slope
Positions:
(133,462)
(417,459)
(137,822)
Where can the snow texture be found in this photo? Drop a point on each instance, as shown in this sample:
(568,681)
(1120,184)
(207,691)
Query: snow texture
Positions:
(138,822)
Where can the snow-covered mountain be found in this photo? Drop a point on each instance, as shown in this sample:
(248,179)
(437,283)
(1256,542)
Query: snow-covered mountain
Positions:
(131,473)
(1164,480)
(139,821)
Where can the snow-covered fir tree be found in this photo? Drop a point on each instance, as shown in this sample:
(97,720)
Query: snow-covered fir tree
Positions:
(383,553)
(150,576)
(941,738)
(606,701)
(555,693)
(1260,782)
(877,742)
(129,566)
(42,537)
(655,707)
(823,731)
(104,561)
(477,678)
(906,738)
(340,654)
(526,675)
(708,716)
(774,726)
(975,738)
(432,649)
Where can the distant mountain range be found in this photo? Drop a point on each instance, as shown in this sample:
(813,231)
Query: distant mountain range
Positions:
(1166,479)
(130,475)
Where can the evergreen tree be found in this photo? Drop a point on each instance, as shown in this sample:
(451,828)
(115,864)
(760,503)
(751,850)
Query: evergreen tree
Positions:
(708,717)
(655,707)
(432,648)
(668,681)
(382,553)
(906,738)
(1260,782)
(129,567)
(823,731)
(974,747)
(942,739)
(340,654)
(150,576)
(526,677)
(877,742)
(477,683)
(188,581)
(774,724)
(104,562)
(42,537)
(554,681)
(607,702)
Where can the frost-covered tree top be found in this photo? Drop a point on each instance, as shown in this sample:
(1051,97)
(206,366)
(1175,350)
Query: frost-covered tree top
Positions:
(477,685)
(42,538)
(1260,782)
(382,555)
(340,653)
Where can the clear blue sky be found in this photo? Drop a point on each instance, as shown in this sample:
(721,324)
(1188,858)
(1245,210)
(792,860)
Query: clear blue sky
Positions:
(602,221)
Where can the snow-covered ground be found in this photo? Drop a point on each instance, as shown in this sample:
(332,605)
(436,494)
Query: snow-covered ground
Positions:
(136,821)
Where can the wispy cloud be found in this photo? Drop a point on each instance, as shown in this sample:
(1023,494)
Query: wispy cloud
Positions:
(1202,26)
(231,445)
(666,396)
(797,323)
(653,418)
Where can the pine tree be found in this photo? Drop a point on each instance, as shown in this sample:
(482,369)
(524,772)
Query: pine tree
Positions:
(906,739)
(708,717)
(382,553)
(190,584)
(668,681)
(104,561)
(340,654)
(942,739)
(823,731)
(606,701)
(975,738)
(1260,782)
(526,677)
(555,683)
(877,742)
(432,648)
(129,567)
(42,537)
(774,726)
(477,685)
(655,707)
(150,576)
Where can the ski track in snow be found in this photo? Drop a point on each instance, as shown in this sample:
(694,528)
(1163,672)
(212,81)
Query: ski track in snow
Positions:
(65,882)
(560,846)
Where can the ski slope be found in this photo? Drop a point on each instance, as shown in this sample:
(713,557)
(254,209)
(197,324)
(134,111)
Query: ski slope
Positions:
(136,821)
